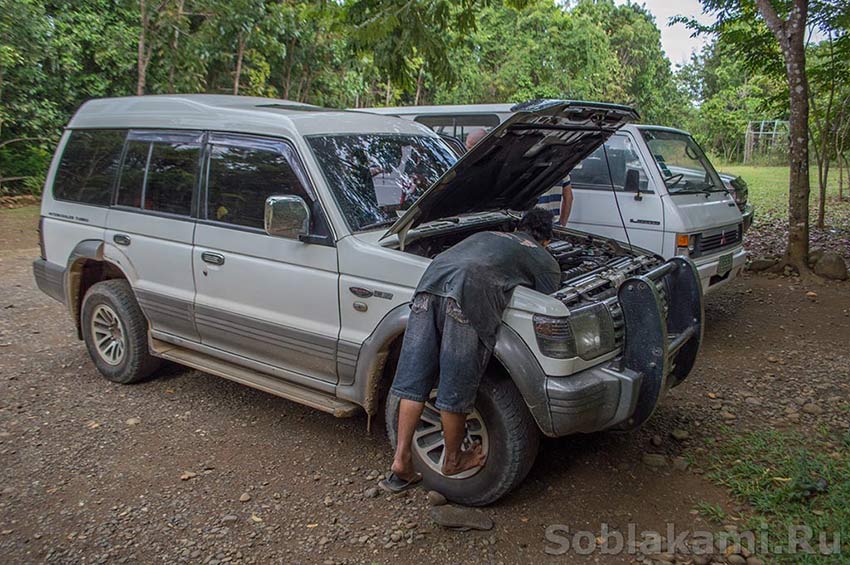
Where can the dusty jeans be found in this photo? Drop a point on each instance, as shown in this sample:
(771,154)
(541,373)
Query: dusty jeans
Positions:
(440,342)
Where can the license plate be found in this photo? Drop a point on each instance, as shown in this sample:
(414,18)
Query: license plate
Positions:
(724,264)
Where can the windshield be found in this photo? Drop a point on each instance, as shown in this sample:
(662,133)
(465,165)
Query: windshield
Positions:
(374,177)
(683,165)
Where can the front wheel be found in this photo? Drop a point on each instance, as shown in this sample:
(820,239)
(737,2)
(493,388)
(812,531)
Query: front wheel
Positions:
(502,424)
(116,332)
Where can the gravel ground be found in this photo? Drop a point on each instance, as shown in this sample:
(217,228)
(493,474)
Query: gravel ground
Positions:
(192,468)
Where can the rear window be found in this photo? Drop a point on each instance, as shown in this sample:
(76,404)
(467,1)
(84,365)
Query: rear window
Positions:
(88,166)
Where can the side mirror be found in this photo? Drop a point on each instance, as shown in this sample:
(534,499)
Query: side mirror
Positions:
(287,216)
(633,183)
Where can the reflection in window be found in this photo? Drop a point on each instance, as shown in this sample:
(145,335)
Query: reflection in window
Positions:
(171,177)
(375,176)
(170,180)
(593,172)
(88,166)
(242,175)
(133,174)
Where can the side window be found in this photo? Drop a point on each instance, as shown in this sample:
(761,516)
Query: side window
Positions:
(243,172)
(159,172)
(459,125)
(596,174)
(88,166)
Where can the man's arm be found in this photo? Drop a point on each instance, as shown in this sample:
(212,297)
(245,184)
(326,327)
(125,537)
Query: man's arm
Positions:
(566,201)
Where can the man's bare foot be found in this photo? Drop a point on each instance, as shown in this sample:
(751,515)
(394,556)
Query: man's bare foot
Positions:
(465,460)
(403,469)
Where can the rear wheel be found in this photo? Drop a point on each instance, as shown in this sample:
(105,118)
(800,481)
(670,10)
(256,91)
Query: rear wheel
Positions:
(502,424)
(116,333)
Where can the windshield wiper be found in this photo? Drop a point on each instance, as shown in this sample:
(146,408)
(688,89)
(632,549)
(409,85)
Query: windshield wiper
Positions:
(378,224)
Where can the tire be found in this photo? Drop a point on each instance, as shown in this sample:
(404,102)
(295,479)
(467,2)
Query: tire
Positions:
(512,443)
(110,314)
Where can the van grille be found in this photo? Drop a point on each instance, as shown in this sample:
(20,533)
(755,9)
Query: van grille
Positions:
(723,238)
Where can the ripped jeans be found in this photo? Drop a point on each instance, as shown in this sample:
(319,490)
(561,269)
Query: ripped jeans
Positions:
(440,342)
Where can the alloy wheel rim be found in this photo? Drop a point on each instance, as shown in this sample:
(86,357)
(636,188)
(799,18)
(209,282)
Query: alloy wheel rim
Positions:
(430,446)
(108,333)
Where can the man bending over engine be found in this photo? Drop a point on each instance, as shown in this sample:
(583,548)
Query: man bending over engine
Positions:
(456,311)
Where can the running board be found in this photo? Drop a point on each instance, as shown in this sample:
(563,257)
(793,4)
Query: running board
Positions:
(302,395)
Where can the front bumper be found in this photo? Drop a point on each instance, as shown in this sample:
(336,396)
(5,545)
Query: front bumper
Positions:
(707,268)
(663,315)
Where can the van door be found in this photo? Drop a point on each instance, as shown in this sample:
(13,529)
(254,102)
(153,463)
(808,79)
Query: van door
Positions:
(261,298)
(150,226)
(603,200)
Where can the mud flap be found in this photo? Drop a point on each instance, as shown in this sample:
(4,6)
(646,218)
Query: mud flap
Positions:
(663,332)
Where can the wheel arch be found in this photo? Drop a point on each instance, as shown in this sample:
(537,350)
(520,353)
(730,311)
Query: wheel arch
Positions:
(86,267)
(377,358)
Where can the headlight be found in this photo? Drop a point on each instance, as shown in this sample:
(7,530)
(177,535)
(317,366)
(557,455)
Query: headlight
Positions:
(685,244)
(587,332)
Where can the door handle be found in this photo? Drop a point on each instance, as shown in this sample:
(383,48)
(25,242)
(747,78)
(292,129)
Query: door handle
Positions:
(121,239)
(212,258)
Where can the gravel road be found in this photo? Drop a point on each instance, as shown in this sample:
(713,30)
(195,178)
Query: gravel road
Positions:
(192,468)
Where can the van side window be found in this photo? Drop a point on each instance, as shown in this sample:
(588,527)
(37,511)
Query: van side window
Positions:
(242,174)
(88,166)
(459,125)
(159,173)
(595,173)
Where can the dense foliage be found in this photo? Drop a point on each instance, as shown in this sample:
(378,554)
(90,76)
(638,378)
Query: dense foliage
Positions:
(55,54)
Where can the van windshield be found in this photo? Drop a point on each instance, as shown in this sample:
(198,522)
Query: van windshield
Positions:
(375,177)
(683,165)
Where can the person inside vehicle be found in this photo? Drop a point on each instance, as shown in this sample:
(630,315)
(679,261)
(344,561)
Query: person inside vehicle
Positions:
(559,201)
(474,137)
(455,314)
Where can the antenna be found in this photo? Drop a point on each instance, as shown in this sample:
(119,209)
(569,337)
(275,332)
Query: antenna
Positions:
(616,199)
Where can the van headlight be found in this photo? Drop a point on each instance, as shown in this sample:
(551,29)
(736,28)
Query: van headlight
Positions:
(587,332)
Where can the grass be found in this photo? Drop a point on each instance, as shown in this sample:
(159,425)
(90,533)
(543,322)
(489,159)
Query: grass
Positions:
(789,480)
(769,193)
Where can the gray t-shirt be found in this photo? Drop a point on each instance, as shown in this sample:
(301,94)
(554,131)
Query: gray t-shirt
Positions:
(481,272)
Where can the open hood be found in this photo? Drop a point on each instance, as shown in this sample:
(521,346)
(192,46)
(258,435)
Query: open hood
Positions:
(518,161)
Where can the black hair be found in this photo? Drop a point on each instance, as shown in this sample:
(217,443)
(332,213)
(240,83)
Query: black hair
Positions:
(537,223)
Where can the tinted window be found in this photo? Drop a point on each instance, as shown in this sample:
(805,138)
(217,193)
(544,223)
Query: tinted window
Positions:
(133,174)
(172,170)
(243,172)
(595,173)
(159,172)
(88,166)
(374,176)
(459,126)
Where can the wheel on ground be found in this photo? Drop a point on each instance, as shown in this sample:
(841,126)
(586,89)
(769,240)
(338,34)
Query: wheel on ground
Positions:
(502,424)
(116,333)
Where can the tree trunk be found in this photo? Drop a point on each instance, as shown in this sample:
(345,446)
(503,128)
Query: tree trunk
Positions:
(240,53)
(388,93)
(419,81)
(790,34)
(290,60)
(175,40)
(142,64)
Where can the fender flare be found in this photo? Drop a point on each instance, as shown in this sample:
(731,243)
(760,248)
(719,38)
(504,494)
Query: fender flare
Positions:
(510,351)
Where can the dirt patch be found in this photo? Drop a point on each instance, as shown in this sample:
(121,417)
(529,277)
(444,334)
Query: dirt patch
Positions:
(19,228)
(158,471)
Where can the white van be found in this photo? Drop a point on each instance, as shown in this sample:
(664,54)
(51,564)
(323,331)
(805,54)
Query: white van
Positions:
(649,186)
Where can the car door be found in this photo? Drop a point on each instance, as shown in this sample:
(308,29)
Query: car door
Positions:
(263,299)
(149,228)
(604,205)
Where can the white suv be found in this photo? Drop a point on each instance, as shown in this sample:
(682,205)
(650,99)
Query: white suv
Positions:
(247,238)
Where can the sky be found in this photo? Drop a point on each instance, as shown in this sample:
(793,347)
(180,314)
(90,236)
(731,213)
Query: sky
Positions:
(676,40)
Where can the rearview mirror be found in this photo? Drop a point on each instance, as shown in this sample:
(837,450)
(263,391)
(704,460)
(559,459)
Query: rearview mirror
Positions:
(287,216)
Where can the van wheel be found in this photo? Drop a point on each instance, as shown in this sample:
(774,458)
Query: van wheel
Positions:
(116,333)
(503,425)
